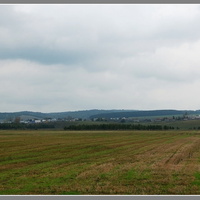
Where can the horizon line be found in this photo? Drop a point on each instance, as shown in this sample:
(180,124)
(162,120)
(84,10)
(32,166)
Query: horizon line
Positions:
(84,110)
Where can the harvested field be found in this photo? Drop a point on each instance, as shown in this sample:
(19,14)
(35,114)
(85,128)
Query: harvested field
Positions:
(100,162)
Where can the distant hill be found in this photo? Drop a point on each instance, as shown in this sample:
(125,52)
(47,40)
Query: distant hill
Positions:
(84,114)
(23,114)
(89,114)
(151,113)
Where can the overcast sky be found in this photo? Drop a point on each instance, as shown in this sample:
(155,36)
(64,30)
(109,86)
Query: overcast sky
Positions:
(77,57)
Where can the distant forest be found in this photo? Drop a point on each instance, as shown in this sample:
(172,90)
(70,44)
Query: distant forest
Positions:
(109,126)
(21,126)
(150,113)
(117,127)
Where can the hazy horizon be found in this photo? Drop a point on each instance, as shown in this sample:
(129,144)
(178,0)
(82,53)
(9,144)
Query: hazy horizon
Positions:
(100,110)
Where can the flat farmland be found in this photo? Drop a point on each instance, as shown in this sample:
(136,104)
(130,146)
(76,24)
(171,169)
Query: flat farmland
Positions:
(99,162)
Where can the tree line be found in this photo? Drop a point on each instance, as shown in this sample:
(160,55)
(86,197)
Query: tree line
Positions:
(21,126)
(109,126)
(117,127)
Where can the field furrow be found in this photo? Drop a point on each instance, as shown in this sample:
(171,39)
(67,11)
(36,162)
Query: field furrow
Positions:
(99,162)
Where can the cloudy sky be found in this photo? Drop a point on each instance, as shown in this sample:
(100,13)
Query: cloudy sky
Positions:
(75,57)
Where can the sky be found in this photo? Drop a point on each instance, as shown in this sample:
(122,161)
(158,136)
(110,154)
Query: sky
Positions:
(65,57)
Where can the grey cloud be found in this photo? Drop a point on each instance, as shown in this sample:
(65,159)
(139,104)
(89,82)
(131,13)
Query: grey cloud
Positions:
(99,56)
(82,33)
(44,56)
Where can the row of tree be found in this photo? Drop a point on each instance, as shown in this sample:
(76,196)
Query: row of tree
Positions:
(117,127)
(110,126)
(16,126)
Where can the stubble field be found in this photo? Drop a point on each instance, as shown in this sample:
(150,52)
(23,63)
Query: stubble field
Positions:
(99,162)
